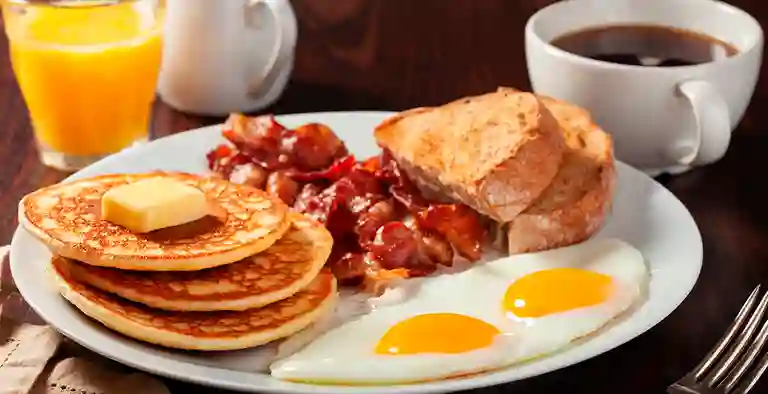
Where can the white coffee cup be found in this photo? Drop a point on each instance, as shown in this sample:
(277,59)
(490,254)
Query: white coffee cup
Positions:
(662,119)
(222,56)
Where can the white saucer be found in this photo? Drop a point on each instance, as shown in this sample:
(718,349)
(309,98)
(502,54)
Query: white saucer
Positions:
(644,214)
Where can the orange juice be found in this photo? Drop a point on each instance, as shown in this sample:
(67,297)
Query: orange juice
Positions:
(87,73)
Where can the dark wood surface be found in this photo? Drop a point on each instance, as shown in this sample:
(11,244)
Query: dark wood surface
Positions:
(395,54)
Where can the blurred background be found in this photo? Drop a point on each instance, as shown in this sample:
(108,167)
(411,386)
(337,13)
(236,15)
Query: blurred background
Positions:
(440,48)
(352,55)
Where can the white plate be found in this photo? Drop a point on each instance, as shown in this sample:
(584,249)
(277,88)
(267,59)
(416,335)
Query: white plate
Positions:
(645,214)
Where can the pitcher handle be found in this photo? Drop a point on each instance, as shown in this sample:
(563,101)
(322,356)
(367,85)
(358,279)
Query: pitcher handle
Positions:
(285,41)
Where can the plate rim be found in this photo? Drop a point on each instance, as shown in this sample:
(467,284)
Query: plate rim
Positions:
(174,368)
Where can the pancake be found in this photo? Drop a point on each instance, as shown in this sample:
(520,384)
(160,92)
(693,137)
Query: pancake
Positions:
(272,275)
(222,330)
(66,217)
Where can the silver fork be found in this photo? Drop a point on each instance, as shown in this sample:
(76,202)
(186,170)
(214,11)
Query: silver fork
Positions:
(729,368)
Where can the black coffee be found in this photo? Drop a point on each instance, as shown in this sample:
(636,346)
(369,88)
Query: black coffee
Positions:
(645,45)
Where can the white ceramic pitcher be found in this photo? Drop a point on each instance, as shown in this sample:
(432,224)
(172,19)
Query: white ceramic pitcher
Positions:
(222,56)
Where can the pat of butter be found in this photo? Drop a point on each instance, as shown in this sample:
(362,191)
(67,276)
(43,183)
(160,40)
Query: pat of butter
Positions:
(153,204)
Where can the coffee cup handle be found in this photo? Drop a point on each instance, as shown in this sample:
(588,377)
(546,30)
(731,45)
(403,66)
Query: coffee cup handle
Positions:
(712,133)
(285,41)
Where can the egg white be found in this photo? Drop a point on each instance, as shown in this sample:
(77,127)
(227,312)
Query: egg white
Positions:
(345,354)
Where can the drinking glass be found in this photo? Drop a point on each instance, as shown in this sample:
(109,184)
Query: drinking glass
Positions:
(87,70)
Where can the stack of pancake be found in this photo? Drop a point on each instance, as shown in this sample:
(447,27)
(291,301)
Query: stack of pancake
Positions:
(245,277)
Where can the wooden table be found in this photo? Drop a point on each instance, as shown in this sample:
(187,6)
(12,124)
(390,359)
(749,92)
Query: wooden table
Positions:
(395,54)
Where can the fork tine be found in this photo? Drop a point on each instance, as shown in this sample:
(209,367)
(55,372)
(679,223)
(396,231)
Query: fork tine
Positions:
(714,354)
(752,380)
(733,378)
(743,340)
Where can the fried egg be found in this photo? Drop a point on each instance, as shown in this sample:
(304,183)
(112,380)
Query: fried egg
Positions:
(486,317)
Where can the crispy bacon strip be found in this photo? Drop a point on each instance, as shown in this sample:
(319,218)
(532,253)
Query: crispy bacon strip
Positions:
(333,173)
(459,224)
(384,229)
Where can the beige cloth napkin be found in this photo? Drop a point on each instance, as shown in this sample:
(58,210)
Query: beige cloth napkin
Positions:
(35,359)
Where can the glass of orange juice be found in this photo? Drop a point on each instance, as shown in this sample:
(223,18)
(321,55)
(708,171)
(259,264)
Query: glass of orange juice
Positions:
(87,70)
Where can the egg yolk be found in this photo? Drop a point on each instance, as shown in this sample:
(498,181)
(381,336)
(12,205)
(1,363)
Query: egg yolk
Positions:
(437,333)
(556,290)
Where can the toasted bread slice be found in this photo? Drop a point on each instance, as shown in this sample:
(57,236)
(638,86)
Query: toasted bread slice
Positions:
(575,204)
(496,152)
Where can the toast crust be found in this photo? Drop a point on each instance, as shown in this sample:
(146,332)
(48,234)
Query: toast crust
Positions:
(495,152)
(576,203)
